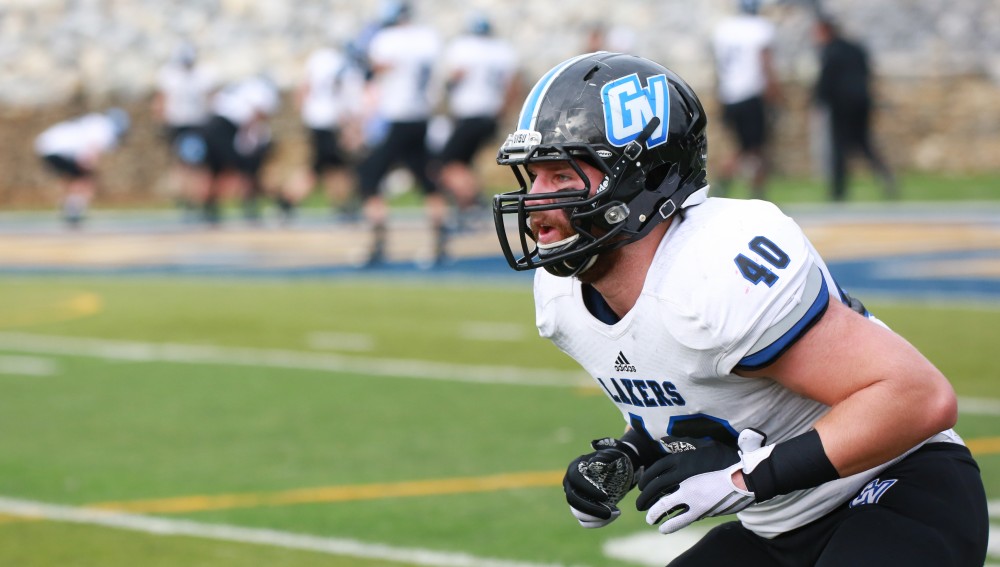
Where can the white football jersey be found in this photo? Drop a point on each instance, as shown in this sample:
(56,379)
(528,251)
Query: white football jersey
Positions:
(408,53)
(738,43)
(186,94)
(335,89)
(486,66)
(241,102)
(88,135)
(733,284)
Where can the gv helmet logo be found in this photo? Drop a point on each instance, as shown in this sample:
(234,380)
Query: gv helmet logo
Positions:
(628,107)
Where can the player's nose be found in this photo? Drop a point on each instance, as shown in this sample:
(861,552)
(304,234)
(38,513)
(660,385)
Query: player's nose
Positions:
(540,187)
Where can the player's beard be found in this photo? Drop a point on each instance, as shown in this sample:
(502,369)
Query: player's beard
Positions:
(602,263)
(601,267)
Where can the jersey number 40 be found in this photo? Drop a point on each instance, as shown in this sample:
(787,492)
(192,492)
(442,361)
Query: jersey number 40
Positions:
(756,272)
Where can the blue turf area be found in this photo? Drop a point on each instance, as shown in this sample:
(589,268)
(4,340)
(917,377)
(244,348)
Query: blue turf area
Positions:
(915,275)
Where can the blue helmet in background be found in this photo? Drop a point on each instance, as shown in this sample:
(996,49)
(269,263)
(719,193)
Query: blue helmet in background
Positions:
(479,24)
(749,6)
(185,54)
(393,12)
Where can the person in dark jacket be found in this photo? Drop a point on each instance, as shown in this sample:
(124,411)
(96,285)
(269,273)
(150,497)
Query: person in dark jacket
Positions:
(844,91)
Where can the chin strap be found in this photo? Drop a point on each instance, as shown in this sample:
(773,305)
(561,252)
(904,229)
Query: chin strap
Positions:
(566,268)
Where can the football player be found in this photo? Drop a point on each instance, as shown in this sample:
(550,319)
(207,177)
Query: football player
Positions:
(402,56)
(750,382)
(747,87)
(72,149)
(182,104)
(482,82)
(329,100)
(232,148)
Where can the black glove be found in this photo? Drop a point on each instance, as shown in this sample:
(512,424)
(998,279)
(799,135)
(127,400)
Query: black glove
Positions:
(596,482)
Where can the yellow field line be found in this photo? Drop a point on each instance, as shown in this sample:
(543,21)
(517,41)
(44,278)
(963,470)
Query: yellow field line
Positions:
(983,446)
(462,485)
(77,306)
(339,493)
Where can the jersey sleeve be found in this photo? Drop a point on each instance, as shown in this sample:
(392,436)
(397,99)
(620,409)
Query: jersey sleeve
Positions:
(788,325)
(757,287)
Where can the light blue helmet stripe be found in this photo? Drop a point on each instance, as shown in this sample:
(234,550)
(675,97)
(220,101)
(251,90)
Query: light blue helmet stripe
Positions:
(529,112)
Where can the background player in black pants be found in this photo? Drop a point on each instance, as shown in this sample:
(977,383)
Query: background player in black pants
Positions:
(844,90)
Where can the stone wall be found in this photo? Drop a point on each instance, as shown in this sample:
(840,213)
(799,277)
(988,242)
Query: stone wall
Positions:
(938,63)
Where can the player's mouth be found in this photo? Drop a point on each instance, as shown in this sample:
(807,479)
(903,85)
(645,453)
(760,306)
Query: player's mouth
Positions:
(543,230)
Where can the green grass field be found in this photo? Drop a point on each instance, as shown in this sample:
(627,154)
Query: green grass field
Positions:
(368,414)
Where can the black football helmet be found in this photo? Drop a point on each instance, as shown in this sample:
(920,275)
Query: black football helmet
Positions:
(633,119)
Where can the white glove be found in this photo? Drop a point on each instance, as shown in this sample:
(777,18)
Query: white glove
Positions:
(590,522)
(696,481)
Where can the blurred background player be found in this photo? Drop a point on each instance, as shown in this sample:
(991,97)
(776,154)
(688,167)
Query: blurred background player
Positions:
(747,85)
(843,91)
(329,100)
(402,57)
(182,104)
(233,146)
(481,82)
(72,150)
(618,39)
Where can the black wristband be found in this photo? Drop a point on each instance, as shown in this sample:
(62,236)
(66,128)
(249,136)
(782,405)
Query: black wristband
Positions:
(648,449)
(792,465)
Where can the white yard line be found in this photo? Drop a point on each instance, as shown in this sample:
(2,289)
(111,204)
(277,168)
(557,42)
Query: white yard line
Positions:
(172,527)
(483,331)
(649,549)
(136,351)
(354,342)
(27,365)
(979,406)
(235,356)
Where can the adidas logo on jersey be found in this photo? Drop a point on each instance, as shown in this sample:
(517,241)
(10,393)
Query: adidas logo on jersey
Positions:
(622,364)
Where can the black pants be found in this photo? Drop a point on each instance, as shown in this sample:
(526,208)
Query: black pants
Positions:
(934,515)
(404,143)
(327,153)
(850,132)
(748,121)
(469,135)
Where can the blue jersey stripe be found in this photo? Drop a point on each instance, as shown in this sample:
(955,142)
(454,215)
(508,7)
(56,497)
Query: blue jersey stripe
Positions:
(771,352)
(531,105)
